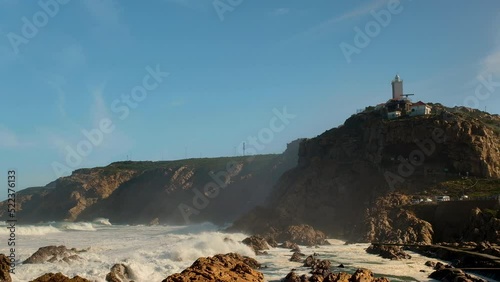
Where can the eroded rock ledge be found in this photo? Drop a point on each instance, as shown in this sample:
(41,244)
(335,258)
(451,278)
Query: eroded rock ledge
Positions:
(222,268)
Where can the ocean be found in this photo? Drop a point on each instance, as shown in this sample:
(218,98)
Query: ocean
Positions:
(155,252)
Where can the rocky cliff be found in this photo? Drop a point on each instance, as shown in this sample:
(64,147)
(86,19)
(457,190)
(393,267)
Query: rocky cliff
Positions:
(184,191)
(345,174)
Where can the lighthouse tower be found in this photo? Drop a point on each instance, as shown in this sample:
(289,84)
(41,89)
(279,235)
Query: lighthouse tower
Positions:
(397,88)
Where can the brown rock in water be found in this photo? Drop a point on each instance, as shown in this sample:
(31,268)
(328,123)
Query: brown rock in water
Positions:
(388,252)
(120,273)
(292,277)
(289,245)
(257,243)
(59,277)
(338,277)
(221,268)
(53,254)
(302,235)
(272,242)
(361,275)
(430,264)
(297,257)
(4,268)
(453,274)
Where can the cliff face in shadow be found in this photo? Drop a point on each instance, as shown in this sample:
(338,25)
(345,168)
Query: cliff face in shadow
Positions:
(345,172)
(217,190)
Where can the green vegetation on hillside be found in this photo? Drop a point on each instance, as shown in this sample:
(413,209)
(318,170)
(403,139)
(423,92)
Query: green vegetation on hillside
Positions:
(198,163)
(474,188)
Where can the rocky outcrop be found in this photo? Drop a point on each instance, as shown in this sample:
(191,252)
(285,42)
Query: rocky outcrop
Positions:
(453,274)
(5,268)
(297,257)
(223,268)
(53,254)
(360,275)
(293,235)
(257,243)
(343,172)
(120,273)
(388,252)
(388,222)
(59,277)
(482,227)
(302,235)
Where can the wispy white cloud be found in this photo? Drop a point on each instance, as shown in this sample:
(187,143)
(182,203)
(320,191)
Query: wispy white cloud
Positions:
(191,4)
(359,11)
(331,24)
(72,56)
(281,11)
(57,82)
(108,15)
(9,139)
(98,109)
(491,64)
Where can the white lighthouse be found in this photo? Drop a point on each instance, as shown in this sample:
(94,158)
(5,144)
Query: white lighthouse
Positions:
(397,88)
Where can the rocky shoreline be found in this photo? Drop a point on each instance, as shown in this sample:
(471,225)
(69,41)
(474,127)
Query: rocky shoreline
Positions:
(235,267)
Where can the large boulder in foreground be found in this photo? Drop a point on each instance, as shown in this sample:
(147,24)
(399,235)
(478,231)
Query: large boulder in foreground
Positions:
(59,277)
(53,254)
(221,268)
(5,268)
(361,275)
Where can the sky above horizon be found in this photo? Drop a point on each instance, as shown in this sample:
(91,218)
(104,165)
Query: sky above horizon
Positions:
(172,79)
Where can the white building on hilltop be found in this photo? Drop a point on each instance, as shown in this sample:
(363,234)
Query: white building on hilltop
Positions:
(420,109)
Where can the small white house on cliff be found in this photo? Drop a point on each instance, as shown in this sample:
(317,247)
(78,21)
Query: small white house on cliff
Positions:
(420,109)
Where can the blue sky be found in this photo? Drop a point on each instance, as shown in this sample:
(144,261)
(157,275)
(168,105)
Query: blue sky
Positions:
(229,68)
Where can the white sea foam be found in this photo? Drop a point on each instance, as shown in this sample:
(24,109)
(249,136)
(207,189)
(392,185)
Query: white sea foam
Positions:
(155,252)
(102,221)
(78,226)
(30,230)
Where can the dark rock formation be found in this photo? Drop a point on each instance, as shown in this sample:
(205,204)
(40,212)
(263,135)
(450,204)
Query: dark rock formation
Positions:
(293,277)
(430,264)
(5,268)
(120,273)
(343,172)
(53,254)
(360,275)
(222,268)
(301,234)
(297,257)
(453,274)
(388,252)
(289,245)
(388,222)
(257,243)
(59,277)
(482,227)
